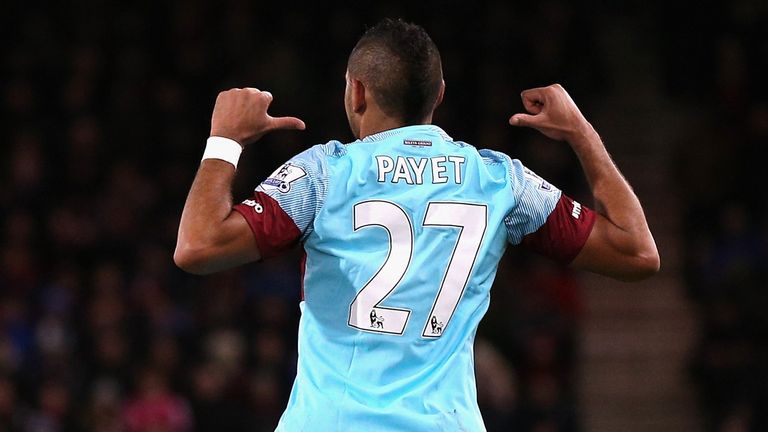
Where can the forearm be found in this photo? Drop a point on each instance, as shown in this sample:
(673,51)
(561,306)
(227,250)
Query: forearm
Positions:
(614,197)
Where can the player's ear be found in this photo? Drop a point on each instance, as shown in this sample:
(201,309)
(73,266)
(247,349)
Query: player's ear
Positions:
(440,94)
(358,94)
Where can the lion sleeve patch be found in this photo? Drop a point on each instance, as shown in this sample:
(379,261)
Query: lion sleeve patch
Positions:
(283,177)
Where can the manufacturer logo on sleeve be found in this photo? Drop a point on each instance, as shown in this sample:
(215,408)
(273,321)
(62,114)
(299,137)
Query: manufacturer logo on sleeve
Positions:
(282,178)
(258,208)
(576,212)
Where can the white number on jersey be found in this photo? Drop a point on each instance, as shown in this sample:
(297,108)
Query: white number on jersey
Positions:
(366,312)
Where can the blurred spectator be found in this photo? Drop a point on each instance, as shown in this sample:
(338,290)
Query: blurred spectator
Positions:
(103,409)
(155,407)
(218,400)
(53,413)
(8,404)
(497,388)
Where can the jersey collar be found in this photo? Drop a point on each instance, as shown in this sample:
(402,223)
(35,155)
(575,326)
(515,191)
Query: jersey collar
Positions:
(409,130)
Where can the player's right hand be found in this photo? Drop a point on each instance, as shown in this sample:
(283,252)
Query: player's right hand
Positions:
(241,115)
(553,113)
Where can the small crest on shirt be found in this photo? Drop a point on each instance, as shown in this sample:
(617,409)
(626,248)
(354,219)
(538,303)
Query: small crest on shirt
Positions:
(417,143)
(282,178)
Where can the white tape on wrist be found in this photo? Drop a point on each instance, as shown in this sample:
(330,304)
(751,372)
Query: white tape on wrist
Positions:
(222,148)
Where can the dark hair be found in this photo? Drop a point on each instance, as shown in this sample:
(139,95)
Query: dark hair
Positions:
(400,64)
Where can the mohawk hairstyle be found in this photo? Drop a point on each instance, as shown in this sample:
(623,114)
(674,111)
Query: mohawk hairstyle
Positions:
(400,64)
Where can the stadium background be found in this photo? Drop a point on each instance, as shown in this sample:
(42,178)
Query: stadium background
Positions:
(105,110)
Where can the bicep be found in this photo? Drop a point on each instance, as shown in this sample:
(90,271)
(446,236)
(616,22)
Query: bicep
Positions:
(256,228)
(612,252)
(237,243)
(233,244)
(220,246)
(554,225)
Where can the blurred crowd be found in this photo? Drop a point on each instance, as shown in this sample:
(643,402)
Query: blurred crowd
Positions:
(719,66)
(105,110)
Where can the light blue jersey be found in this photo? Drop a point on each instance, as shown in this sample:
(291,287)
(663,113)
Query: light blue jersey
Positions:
(403,233)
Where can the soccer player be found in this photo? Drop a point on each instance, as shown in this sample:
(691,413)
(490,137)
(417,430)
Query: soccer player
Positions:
(402,230)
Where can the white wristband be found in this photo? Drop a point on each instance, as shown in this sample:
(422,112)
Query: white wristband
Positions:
(222,148)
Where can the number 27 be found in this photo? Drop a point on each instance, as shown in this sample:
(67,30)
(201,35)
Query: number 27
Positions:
(366,312)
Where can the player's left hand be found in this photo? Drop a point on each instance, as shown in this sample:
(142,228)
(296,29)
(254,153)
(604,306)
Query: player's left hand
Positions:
(553,113)
(241,115)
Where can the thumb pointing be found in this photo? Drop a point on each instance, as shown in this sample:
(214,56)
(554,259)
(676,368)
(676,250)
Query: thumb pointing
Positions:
(288,123)
(522,120)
